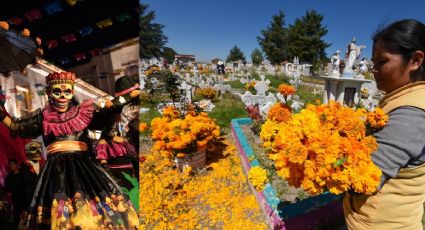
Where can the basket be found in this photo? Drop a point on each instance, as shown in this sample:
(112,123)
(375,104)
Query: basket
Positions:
(195,160)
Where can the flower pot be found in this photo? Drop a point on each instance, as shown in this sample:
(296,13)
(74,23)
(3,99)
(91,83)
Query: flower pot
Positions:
(195,160)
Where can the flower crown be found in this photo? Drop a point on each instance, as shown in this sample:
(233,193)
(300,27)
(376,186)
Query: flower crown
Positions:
(60,78)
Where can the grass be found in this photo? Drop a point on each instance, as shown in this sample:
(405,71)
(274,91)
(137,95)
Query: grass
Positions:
(226,109)
(306,94)
(235,84)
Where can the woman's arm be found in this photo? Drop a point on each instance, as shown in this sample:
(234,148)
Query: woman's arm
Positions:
(400,142)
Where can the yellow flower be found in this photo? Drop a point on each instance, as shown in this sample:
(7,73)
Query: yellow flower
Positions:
(258,177)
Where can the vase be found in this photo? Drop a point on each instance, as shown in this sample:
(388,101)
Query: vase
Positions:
(195,160)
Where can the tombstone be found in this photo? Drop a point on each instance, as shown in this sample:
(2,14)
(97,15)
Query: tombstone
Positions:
(343,90)
(249,99)
(206,105)
(243,80)
(262,86)
(142,81)
(154,82)
(210,81)
(197,80)
(187,89)
(282,98)
(223,88)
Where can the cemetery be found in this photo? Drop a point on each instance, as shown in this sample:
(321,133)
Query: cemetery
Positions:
(207,136)
(317,129)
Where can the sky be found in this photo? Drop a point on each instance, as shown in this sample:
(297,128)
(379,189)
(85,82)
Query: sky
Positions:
(209,29)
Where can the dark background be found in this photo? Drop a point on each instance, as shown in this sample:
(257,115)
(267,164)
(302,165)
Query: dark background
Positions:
(70,20)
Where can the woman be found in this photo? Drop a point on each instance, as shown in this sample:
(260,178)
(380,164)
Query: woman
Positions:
(73,191)
(399,71)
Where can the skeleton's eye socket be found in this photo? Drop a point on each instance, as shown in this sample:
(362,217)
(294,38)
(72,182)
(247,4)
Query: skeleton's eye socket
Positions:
(68,92)
(33,148)
(56,92)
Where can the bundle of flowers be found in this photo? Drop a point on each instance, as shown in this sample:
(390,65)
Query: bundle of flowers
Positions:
(182,134)
(250,86)
(151,70)
(208,92)
(325,147)
(258,177)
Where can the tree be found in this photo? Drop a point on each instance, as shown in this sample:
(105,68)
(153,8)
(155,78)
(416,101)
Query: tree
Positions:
(151,37)
(168,54)
(235,55)
(305,38)
(274,39)
(257,57)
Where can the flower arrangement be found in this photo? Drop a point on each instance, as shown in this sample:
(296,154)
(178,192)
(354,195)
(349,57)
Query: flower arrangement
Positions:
(325,147)
(258,177)
(182,134)
(208,92)
(151,70)
(250,86)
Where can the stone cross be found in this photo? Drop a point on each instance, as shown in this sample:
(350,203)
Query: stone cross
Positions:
(262,86)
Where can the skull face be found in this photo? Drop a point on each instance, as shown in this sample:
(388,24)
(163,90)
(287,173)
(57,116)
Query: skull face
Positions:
(60,96)
(33,151)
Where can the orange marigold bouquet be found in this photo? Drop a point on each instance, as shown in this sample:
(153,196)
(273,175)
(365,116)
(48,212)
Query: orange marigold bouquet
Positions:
(180,135)
(325,147)
(208,92)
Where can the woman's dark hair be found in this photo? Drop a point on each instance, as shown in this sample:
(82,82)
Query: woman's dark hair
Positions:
(403,37)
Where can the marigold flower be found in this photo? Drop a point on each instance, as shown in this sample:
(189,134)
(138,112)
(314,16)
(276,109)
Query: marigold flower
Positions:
(108,104)
(258,177)
(26,32)
(286,90)
(326,147)
(4,25)
(135,93)
(143,127)
(279,112)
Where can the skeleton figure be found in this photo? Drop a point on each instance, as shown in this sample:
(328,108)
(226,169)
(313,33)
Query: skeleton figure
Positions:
(69,172)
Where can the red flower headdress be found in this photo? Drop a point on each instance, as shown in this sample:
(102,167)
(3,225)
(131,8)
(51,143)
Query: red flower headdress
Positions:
(60,78)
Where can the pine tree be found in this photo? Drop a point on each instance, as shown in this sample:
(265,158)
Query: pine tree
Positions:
(257,57)
(235,55)
(151,37)
(305,39)
(274,40)
(168,54)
